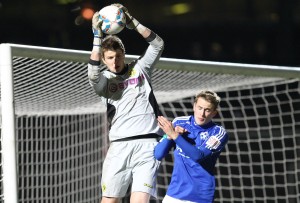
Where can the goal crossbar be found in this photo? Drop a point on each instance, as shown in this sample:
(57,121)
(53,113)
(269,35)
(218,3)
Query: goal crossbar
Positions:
(164,63)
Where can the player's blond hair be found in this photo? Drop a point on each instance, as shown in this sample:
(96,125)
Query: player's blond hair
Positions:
(209,96)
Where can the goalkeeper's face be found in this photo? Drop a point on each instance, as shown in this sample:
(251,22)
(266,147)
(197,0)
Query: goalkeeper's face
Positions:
(204,111)
(114,60)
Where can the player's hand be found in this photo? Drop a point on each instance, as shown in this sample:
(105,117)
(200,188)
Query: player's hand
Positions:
(96,25)
(167,127)
(180,130)
(131,22)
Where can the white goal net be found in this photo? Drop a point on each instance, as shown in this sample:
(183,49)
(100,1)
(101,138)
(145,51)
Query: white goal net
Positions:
(54,138)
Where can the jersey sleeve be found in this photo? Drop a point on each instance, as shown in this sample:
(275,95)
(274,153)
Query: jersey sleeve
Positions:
(96,77)
(153,52)
(217,141)
(190,150)
(214,144)
(163,148)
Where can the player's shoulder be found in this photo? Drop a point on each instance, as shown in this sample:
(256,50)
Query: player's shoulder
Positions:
(136,64)
(132,63)
(108,73)
(220,131)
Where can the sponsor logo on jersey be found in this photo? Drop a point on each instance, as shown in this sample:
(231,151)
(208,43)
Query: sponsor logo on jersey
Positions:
(180,152)
(113,87)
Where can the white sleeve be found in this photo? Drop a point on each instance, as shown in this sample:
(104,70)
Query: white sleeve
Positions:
(153,52)
(97,79)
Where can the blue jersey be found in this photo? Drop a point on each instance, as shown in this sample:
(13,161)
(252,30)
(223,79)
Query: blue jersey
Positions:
(195,156)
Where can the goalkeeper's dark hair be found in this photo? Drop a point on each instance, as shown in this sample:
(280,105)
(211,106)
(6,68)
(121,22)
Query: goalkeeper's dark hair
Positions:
(112,42)
(209,96)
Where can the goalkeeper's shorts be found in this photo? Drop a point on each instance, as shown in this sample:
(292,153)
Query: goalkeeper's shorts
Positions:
(130,162)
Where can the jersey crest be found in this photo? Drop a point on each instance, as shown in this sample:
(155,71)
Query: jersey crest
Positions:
(203,135)
(131,72)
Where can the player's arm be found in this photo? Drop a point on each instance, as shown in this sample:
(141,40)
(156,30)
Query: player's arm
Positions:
(156,47)
(163,147)
(213,144)
(98,37)
(96,79)
(134,24)
(166,143)
(190,150)
(95,57)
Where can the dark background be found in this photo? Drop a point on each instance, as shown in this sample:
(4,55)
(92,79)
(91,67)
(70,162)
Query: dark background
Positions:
(244,31)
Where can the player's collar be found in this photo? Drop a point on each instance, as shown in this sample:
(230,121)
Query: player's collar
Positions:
(125,69)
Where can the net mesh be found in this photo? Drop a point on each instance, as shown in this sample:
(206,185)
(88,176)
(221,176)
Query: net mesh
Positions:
(261,161)
(61,137)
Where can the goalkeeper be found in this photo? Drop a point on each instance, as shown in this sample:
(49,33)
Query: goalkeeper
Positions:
(132,112)
(198,143)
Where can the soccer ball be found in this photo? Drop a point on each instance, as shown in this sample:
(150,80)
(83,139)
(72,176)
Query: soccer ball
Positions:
(114,19)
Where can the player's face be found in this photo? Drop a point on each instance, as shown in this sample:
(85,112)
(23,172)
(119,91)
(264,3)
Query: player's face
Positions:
(204,111)
(114,60)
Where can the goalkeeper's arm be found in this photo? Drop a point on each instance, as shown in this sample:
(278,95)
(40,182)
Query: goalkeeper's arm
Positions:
(98,36)
(132,23)
(96,79)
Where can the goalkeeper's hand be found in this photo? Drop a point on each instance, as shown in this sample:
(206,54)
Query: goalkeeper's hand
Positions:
(98,34)
(131,22)
(96,25)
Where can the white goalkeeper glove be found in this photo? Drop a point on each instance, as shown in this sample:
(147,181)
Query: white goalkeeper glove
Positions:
(131,22)
(98,34)
(96,25)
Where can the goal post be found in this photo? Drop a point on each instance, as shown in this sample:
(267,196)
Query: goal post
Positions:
(54,136)
(9,163)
